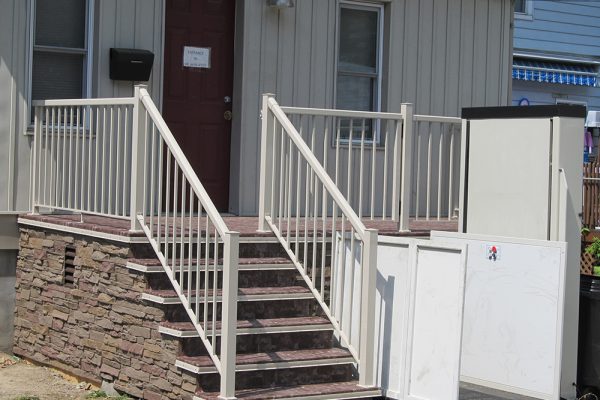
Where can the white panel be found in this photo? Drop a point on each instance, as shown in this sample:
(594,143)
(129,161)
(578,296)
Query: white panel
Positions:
(437,306)
(399,287)
(513,314)
(391,316)
(508,162)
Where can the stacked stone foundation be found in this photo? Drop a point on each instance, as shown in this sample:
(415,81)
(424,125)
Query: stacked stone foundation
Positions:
(96,328)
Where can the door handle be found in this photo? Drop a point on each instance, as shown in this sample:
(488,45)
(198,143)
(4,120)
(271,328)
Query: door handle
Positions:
(227,115)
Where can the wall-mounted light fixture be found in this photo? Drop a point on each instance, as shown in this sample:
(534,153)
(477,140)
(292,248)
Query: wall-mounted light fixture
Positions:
(280,3)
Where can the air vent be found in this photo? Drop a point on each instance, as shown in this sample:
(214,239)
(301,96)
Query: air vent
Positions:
(69,267)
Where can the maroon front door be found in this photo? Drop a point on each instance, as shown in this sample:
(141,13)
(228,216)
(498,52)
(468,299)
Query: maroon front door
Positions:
(197,98)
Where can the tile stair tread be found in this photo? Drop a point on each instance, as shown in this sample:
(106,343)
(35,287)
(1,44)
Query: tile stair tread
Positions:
(150,262)
(170,293)
(255,323)
(283,392)
(277,356)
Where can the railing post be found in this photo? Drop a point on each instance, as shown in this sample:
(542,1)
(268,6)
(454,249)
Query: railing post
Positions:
(37,121)
(138,140)
(229,314)
(366,362)
(266,142)
(407,154)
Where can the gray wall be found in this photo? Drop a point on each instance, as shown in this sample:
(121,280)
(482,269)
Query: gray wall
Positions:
(14,145)
(8,268)
(441,55)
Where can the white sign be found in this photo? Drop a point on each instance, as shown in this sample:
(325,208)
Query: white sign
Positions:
(196,57)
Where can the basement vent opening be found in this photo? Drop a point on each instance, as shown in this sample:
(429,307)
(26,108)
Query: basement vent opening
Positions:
(69,267)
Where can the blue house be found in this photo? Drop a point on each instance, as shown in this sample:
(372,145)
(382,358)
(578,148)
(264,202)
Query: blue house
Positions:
(556,53)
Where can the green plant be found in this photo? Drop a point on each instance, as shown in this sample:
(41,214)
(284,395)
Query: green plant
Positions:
(101,394)
(593,249)
(96,394)
(585,231)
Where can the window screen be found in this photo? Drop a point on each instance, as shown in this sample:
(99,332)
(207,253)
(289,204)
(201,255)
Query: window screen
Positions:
(358,69)
(59,49)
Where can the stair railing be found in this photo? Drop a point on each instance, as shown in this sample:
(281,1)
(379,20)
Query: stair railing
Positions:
(81,156)
(364,154)
(436,167)
(116,157)
(187,233)
(332,249)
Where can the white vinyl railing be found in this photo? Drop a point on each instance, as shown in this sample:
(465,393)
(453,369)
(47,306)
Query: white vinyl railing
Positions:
(364,154)
(435,179)
(118,158)
(81,155)
(321,233)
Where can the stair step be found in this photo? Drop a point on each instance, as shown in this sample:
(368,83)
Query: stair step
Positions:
(253,327)
(153,265)
(169,296)
(321,391)
(274,360)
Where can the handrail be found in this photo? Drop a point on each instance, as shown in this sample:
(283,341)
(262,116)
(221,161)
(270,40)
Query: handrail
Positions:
(186,167)
(322,241)
(333,190)
(85,102)
(341,113)
(436,118)
(118,158)
(189,235)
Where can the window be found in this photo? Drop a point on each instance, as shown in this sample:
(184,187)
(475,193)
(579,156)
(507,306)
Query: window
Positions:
(358,83)
(524,9)
(61,47)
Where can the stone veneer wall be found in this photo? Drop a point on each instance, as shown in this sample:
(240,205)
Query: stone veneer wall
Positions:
(98,328)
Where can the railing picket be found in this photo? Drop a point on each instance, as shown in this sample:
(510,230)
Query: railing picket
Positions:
(385,171)
(418,174)
(110,160)
(52,137)
(373,169)
(451,174)
(64,154)
(118,157)
(361,168)
(440,162)
(89,164)
(429,161)
(167,208)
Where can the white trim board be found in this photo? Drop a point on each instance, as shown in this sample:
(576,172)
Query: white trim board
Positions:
(513,315)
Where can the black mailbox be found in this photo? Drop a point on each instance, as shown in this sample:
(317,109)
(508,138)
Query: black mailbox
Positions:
(130,64)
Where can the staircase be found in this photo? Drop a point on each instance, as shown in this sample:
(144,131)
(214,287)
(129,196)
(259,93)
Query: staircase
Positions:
(284,314)
(285,346)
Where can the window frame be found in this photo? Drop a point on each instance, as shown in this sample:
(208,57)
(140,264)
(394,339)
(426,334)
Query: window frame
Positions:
(527,14)
(86,52)
(379,8)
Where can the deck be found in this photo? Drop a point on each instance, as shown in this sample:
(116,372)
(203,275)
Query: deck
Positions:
(246,226)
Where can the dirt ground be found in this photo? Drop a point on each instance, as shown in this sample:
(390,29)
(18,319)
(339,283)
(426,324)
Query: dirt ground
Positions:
(21,380)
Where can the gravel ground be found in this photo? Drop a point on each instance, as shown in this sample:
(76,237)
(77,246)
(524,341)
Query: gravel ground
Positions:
(21,380)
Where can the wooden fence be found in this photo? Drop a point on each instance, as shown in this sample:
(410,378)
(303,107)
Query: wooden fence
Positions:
(591,195)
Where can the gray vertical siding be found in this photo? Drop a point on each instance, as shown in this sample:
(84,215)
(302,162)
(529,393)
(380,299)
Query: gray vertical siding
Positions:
(441,55)
(134,24)
(119,23)
(14,145)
